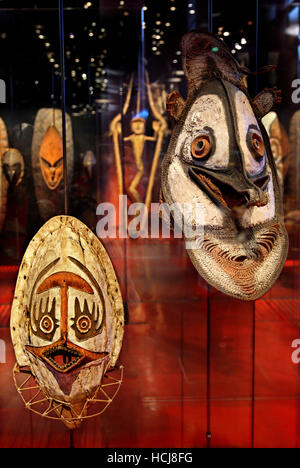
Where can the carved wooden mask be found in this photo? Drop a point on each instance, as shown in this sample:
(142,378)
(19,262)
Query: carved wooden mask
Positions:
(51,158)
(47,161)
(219,157)
(89,162)
(67,315)
(13,166)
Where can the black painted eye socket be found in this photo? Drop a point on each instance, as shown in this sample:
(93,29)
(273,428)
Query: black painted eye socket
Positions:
(59,163)
(44,323)
(46,163)
(47,324)
(201,147)
(84,324)
(256,144)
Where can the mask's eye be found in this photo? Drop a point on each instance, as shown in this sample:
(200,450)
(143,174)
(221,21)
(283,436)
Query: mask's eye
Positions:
(84,324)
(59,163)
(47,324)
(46,163)
(256,145)
(201,147)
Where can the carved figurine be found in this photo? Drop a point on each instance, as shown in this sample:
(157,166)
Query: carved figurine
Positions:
(138,138)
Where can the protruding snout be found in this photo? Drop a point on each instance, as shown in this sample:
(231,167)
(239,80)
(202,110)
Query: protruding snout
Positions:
(231,189)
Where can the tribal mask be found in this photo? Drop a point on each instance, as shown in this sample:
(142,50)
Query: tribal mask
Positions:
(47,161)
(89,162)
(3,180)
(13,166)
(279,143)
(51,158)
(219,158)
(67,315)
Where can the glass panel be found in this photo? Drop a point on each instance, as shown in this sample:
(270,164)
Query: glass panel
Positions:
(201,369)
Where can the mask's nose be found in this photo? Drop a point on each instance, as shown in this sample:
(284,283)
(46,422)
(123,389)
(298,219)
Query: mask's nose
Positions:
(11,174)
(232,188)
(52,173)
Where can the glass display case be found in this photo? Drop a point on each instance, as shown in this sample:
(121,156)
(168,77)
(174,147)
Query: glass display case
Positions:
(201,369)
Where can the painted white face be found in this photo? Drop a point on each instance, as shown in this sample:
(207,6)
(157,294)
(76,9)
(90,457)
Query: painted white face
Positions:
(65,325)
(221,155)
(13,166)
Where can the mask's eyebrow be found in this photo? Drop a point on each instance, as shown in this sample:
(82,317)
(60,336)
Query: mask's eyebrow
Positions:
(41,274)
(253,127)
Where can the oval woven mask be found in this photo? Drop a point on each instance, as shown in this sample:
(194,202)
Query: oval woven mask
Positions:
(219,163)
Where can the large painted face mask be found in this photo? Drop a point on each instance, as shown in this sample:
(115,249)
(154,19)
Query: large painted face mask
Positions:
(13,166)
(219,159)
(67,317)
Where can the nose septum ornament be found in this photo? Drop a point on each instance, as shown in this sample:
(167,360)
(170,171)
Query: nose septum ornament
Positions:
(219,158)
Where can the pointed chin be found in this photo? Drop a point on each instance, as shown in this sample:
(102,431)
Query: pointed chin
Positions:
(73,387)
(245,266)
(52,182)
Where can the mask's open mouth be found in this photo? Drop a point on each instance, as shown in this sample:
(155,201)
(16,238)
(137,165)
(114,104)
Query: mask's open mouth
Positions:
(229,194)
(64,356)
